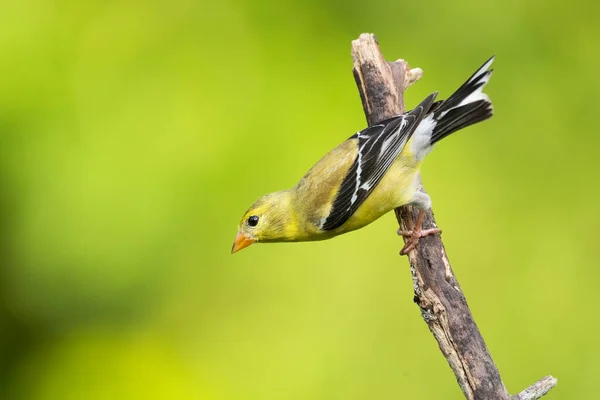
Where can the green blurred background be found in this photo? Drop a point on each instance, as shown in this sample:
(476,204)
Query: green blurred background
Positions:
(134,134)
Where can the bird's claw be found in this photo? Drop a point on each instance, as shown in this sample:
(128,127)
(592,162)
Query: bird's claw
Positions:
(412,237)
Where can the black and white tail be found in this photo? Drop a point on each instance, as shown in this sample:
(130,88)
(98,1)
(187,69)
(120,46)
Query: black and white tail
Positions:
(467,106)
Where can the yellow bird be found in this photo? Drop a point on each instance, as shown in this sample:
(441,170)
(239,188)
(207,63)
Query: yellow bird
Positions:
(368,175)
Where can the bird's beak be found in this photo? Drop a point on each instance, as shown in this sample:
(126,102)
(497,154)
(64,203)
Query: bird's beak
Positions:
(241,242)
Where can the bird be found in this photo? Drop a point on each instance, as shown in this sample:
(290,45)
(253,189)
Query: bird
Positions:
(371,173)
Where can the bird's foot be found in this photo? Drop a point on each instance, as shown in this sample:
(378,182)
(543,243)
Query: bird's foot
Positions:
(414,236)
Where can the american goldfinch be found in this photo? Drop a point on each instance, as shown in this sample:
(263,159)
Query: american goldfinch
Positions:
(368,175)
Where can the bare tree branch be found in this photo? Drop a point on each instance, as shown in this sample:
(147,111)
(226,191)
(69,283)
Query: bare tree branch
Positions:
(437,293)
(538,389)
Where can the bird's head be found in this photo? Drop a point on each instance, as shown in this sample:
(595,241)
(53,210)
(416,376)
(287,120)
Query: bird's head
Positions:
(269,219)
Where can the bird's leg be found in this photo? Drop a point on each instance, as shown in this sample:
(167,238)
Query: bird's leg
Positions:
(412,237)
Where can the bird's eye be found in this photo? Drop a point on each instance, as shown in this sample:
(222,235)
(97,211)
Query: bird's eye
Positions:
(253,221)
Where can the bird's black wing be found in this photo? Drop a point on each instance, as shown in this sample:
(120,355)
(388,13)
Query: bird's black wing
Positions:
(378,146)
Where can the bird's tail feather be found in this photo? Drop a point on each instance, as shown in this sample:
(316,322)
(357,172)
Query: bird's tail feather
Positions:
(467,106)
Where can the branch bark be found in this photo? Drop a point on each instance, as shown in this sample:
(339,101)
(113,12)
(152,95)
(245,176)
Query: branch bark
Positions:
(437,293)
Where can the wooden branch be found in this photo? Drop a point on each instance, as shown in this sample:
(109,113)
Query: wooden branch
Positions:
(437,293)
(538,389)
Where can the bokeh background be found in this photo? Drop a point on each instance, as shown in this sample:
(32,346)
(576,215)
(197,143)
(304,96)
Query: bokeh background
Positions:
(134,134)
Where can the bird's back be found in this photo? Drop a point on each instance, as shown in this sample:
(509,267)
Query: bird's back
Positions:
(317,189)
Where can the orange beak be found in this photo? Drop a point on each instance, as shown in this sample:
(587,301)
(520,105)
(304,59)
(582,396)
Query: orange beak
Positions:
(241,242)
